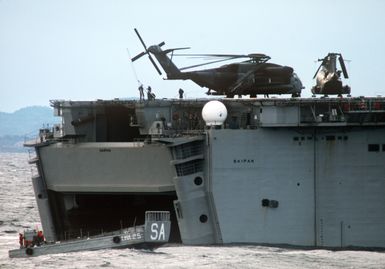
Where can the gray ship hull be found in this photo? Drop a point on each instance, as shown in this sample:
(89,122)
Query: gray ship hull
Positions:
(304,172)
(107,167)
(330,193)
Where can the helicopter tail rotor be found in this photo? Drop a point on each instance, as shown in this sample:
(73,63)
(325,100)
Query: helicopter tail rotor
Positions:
(138,56)
(146,51)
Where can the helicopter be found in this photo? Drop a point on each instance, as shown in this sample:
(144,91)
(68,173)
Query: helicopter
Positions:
(250,77)
(328,78)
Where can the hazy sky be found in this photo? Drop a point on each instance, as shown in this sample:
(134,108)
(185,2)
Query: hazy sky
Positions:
(76,50)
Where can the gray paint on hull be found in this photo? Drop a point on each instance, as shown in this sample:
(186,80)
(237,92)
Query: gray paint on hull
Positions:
(107,167)
(337,202)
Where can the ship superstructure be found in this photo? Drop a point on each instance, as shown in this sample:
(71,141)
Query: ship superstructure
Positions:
(299,171)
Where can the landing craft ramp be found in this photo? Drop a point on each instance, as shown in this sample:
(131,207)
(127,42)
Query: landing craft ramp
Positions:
(154,232)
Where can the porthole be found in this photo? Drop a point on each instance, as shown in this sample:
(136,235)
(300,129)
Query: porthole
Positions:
(203,218)
(265,202)
(198,181)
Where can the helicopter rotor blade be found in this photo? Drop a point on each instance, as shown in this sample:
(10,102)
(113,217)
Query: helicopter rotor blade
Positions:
(213,55)
(343,67)
(154,64)
(138,56)
(212,62)
(171,50)
(251,56)
(141,40)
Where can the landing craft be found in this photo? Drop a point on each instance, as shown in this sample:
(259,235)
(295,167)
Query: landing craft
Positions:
(328,78)
(251,77)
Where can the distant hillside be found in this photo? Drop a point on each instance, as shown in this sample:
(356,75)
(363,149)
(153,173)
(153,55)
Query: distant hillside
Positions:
(14,127)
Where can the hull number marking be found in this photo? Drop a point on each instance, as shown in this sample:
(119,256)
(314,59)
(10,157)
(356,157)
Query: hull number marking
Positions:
(157,232)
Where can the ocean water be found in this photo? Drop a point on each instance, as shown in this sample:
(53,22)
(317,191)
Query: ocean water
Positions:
(18,211)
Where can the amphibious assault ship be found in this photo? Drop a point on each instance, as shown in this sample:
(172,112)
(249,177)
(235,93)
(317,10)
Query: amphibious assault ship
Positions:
(298,171)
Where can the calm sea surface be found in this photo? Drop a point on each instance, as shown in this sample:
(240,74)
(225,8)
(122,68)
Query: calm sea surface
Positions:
(18,211)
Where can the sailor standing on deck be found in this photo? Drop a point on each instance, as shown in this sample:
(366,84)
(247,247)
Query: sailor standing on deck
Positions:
(141,92)
(181,91)
(40,238)
(150,95)
(21,240)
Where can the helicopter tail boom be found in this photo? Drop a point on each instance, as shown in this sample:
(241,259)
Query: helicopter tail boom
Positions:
(167,64)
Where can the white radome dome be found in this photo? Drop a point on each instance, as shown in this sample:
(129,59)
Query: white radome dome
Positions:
(214,113)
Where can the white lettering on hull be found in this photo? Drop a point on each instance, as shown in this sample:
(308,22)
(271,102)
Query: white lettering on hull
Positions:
(157,233)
